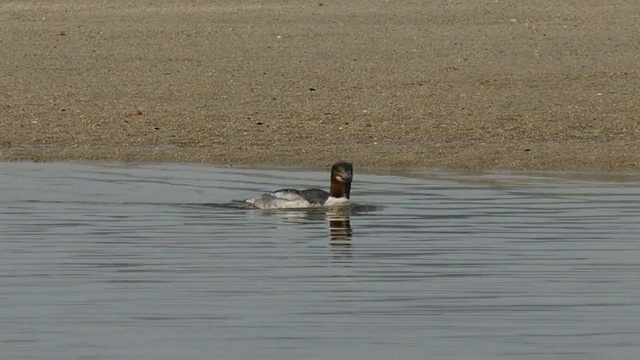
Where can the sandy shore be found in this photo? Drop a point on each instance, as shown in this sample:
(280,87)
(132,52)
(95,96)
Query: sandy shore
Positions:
(465,84)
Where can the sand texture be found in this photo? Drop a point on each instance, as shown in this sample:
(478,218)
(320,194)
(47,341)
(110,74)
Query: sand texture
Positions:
(460,84)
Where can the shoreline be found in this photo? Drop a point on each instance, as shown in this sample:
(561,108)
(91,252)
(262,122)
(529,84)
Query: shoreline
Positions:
(535,159)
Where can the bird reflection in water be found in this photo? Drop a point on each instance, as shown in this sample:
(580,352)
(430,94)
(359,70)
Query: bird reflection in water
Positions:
(340,226)
(339,218)
(340,233)
(339,221)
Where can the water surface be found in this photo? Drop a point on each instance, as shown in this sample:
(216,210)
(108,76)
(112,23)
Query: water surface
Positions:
(149,262)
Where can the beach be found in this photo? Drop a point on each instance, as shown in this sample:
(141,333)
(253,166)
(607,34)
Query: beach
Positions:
(459,85)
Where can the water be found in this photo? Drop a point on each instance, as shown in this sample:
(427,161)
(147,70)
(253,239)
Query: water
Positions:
(147,262)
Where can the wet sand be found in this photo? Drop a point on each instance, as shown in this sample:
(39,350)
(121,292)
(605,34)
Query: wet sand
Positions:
(465,84)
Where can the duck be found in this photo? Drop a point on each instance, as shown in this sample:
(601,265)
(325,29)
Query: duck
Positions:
(338,194)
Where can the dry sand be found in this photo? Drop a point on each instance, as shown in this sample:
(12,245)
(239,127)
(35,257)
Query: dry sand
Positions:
(461,84)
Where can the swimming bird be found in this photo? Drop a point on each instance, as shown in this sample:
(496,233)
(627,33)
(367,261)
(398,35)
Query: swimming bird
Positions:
(339,191)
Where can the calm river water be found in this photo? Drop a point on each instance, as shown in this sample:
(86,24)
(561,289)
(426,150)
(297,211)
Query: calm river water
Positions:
(153,262)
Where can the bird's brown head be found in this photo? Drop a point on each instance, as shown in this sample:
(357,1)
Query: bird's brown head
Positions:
(341,177)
